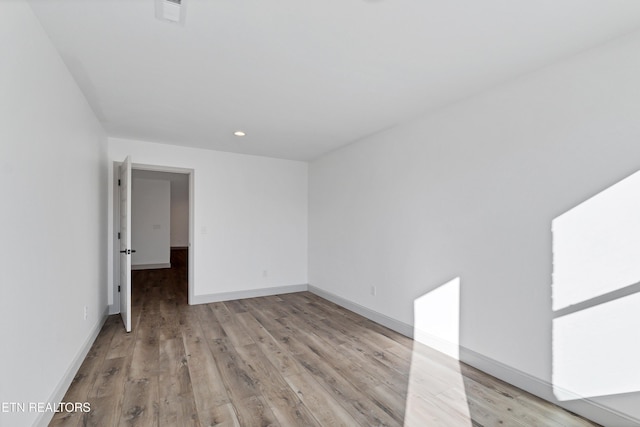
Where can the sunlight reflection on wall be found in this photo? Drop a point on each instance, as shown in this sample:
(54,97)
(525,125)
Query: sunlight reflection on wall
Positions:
(437,318)
(596,263)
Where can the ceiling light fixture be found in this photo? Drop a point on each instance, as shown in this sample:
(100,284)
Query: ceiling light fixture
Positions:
(239,133)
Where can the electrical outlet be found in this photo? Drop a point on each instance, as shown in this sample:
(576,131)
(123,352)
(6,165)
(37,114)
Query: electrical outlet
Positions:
(86,312)
(374,291)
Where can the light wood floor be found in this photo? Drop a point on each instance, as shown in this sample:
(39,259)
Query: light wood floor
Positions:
(287,360)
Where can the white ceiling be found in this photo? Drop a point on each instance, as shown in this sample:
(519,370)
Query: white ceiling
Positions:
(303,78)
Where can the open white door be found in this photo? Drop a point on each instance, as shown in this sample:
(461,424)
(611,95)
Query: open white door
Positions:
(124,184)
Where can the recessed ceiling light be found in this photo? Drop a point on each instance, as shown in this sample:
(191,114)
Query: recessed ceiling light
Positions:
(239,133)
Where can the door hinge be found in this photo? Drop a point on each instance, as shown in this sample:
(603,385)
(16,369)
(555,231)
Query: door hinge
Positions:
(119,183)
(118,288)
(118,235)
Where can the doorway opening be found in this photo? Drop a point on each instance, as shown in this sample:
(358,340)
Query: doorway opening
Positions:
(161,224)
(160,236)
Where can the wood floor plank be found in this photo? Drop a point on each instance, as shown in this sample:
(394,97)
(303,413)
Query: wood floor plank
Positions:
(421,412)
(275,305)
(263,314)
(208,388)
(253,411)
(499,403)
(146,353)
(284,402)
(395,379)
(352,331)
(121,344)
(140,403)
(203,369)
(105,411)
(358,404)
(290,360)
(235,375)
(111,379)
(107,395)
(339,334)
(234,331)
(220,345)
(361,378)
(272,350)
(168,325)
(177,403)
(221,416)
(322,405)
(365,380)
(488,417)
(210,325)
(236,306)
(67,419)
(141,391)
(316,324)
(360,320)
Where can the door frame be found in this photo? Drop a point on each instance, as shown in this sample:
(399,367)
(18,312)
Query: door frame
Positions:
(115,308)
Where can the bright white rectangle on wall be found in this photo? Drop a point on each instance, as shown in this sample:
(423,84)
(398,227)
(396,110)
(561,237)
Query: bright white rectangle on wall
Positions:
(437,318)
(596,350)
(596,245)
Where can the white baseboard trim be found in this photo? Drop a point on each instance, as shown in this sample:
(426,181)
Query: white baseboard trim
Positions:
(251,293)
(150,266)
(391,323)
(44,418)
(583,406)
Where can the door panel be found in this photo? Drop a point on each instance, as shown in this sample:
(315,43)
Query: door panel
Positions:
(125,242)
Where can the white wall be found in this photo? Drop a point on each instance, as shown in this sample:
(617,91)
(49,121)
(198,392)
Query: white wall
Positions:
(150,221)
(52,257)
(250,216)
(180,211)
(470,192)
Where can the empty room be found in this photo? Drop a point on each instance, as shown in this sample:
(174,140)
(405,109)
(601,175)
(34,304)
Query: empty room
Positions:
(341,213)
